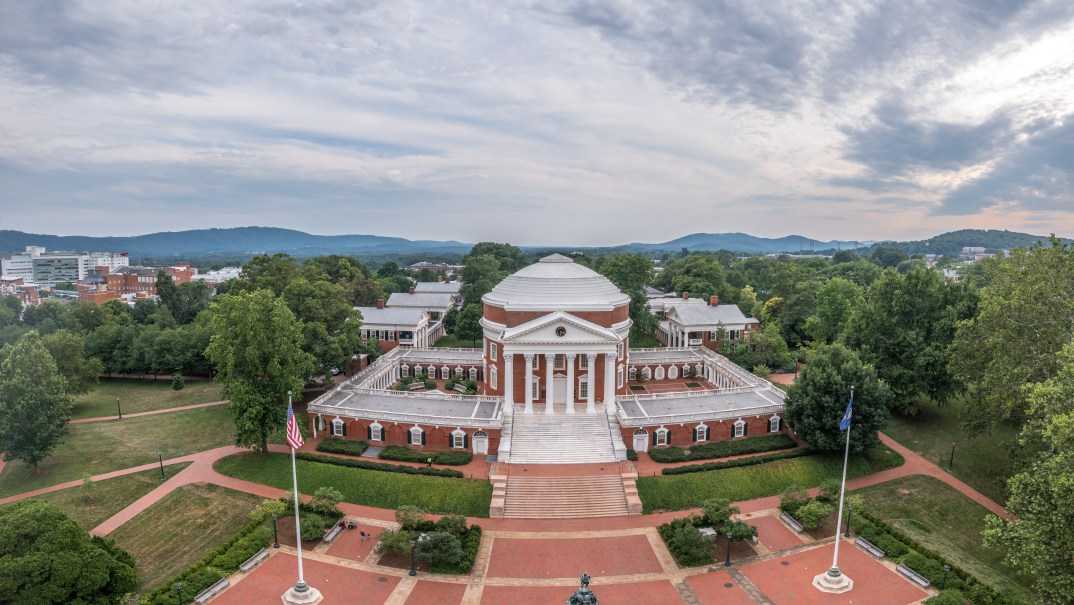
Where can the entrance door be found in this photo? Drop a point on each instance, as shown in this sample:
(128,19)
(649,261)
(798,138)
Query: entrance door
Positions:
(559,387)
(481,442)
(641,441)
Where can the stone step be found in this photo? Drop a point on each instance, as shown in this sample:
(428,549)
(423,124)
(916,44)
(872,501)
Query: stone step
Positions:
(561,439)
(565,497)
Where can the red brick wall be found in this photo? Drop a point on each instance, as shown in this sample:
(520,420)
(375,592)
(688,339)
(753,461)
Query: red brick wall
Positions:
(436,438)
(516,318)
(683,436)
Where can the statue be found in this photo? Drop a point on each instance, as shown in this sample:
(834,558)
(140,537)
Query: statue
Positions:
(583,596)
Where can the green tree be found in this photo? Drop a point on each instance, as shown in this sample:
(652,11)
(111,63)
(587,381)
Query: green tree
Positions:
(818,399)
(257,349)
(812,513)
(837,300)
(903,329)
(630,273)
(747,302)
(480,274)
(177,381)
(45,558)
(440,549)
(888,256)
(468,326)
(33,404)
(364,291)
(336,268)
(80,373)
(1025,316)
(390,269)
(509,257)
(272,273)
(718,512)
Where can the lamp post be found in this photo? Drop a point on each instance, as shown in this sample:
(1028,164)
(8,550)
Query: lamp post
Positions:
(179,589)
(413,544)
(850,510)
(119,410)
(951,462)
(727,563)
(160,457)
(275,533)
(946,568)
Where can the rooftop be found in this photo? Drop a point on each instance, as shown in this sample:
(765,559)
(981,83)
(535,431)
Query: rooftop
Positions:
(423,300)
(556,283)
(395,317)
(440,287)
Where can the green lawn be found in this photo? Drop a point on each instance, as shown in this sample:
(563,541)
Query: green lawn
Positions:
(450,341)
(99,447)
(644,341)
(942,519)
(689,490)
(468,497)
(181,528)
(109,496)
(142,396)
(980,460)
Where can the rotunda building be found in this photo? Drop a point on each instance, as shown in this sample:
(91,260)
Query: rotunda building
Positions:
(556,339)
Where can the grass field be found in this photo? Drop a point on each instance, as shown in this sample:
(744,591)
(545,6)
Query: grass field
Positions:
(99,447)
(980,460)
(181,528)
(109,496)
(679,492)
(468,497)
(942,519)
(142,396)
(450,341)
(644,341)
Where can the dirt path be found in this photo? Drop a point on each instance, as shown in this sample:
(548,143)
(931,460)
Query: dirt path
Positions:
(149,413)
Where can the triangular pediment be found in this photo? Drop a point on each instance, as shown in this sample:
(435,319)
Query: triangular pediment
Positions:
(559,327)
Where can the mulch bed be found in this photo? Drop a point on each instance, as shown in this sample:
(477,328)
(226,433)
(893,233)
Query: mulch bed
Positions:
(400,561)
(286,527)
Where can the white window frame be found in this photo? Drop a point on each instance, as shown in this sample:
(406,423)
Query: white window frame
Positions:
(493,375)
(646,373)
(415,435)
(698,437)
(337,427)
(673,372)
(376,432)
(458,439)
(738,429)
(535,389)
(472,373)
(445,373)
(583,387)
(560,361)
(583,362)
(775,420)
(404,370)
(492,351)
(391,335)
(633,373)
(619,377)
(619,351)
(536,362)
(662,436)
(659,374)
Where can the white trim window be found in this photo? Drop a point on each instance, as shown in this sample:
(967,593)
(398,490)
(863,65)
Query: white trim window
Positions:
(391,335)
(619,378)
(646,373)
(445,373)
(583,387)
(458,372)
(337,427)
(458,439)
(633,373)
(536,362)
(701,433)
(376,432)
(493,375)
(739,429)
(417,436)
(404,370)
(662,436)
(775,423)
(473,373)
(732,335)
(492,351)
(619,351)
(535,389)
(560,361)
(673,372)
(659,372)
(583,362)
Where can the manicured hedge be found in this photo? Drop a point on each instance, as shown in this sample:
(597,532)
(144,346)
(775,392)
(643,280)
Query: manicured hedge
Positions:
(768,478)
(335,445)
(684,559)
(402,454)
(632,455)
(377,466)
(738,462)
(723,449)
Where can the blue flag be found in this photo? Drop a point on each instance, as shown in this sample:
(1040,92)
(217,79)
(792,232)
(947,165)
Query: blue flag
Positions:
(844,424)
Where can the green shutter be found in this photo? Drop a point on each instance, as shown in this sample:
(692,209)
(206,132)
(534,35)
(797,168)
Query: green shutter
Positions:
(423,437)
(369,432)
(466,441)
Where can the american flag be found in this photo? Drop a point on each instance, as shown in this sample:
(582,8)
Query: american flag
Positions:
(294,436)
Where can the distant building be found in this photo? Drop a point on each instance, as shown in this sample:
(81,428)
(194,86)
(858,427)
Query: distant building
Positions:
(48,269)
(971,250)
(690,322)
(218,275)
(405,327)
(447,269)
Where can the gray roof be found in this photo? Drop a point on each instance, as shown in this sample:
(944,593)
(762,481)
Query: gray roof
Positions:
(437,287)
(391,317)
(423,300)
(707,315)
(421,406)
(727,402)
(441,356)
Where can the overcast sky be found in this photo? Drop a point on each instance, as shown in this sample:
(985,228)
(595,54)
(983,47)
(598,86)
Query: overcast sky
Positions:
(545,122)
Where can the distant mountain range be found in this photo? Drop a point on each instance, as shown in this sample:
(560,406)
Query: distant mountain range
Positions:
(256,240)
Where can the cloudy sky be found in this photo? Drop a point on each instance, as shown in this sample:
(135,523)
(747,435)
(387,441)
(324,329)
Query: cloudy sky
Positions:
(544,122)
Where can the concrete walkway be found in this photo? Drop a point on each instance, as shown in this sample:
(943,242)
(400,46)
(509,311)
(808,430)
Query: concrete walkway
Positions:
(149,413)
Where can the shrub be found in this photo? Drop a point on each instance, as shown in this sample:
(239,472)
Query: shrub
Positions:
(793,498)
(453,458)
(668,454)
(397,541)
(312,526)
(402,454)
(471,542)
(376,466)
(632,455)
(812,513)
(430,384)
(687,545)
(177,382)
(829,491)
(753,445)
(762,371)
(335,445)
(325,502)
(266,509)
(718,512)
(931,569)
(409,517)
(440,549)
(947,597)
(891,546)
(452,524)
(712,466)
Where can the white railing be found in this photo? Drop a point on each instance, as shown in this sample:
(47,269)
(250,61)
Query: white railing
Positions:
(420,395)
(687,394)
(495,422)
(406,341)
(695,342)
(625,420)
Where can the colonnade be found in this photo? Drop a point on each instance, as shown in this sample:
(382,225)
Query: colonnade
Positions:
(549,378)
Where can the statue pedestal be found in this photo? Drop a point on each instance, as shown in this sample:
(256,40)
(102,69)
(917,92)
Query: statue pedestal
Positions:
(827,582)
(310,596)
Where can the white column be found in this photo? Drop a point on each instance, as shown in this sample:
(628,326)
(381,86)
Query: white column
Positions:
(529,382)
(508,379)
(549,364)
(570,382)
(592,380)
(609,382)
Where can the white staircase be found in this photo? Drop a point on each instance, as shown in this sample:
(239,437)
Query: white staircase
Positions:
(561,438)
(565,497)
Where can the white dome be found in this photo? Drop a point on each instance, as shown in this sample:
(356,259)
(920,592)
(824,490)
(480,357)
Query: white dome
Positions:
(556,283)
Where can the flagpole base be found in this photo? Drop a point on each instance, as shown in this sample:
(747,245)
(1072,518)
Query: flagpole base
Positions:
(833,581)
(296,596)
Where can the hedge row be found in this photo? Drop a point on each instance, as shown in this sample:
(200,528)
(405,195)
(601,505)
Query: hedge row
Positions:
(223,561)
(712,466)
(402,454)
(377,466)
(335,445)
(911,553)
(722,449)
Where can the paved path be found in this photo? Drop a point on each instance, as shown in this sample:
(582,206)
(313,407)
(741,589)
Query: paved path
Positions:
(149,413)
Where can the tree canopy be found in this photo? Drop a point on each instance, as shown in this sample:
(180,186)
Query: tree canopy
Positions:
(33,401)
(468,324)
(630,273)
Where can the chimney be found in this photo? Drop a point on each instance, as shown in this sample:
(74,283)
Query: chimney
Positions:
(686,296)
(411,290)
(714,301)
(439,279)
(380,303)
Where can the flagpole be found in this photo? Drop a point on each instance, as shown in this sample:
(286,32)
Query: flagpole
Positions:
(834,580)
(301,593)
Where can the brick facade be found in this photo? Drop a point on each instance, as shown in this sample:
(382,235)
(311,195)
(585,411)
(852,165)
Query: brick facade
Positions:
(437,437)
(682,435)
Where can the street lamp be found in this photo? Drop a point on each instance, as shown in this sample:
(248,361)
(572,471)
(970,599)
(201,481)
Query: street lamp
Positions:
(951,462)
(275,533)
(946,568)
(850,510)
(413,545)
(179,589)
(119,410)
(160,456)
(727,563)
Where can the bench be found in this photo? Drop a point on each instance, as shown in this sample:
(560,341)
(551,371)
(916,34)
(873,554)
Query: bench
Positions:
(459,387)
(913,576)
(211,591)
(417,386)
(258,557)
(332,533)
(869,547)
(792,522)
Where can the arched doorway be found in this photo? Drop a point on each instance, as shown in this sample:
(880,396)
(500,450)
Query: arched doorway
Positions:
(481,442)
(641,441)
